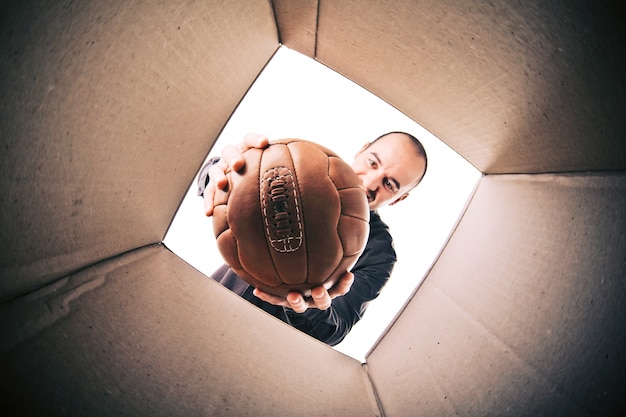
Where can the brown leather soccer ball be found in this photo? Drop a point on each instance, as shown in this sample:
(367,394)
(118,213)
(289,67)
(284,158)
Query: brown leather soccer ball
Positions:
(294,218)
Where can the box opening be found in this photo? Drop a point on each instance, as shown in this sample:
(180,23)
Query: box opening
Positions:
(297,97)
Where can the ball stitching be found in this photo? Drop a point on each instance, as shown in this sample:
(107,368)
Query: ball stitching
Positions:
(281,210)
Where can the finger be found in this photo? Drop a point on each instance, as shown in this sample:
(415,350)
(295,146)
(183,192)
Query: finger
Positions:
(251,140)
(209,195)
(217,175)
(296,302)
(270,298)
(342,286)
(231,155)
(254,140)
(321,298)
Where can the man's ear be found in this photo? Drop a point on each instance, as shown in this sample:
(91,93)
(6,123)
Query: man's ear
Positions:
(402,197)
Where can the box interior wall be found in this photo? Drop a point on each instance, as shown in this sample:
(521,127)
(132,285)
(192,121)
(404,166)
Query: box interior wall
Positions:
(110,108)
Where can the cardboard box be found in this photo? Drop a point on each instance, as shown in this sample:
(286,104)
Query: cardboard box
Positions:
(110,108)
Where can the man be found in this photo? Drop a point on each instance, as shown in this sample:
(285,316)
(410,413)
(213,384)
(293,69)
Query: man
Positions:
(388,168)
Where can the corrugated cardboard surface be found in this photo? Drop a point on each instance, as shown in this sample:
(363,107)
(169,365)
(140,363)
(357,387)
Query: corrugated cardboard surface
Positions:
(514,87)
(297,24)
(523,314)
(109,109)
(147,335)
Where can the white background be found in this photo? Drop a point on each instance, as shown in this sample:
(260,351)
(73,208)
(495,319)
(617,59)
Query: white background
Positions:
(296,97)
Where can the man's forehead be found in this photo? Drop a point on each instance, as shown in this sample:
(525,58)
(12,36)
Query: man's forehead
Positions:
(398,154)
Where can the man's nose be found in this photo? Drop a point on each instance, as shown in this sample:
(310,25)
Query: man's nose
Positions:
(369,181)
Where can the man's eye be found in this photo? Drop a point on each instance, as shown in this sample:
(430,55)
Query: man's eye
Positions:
(390,186)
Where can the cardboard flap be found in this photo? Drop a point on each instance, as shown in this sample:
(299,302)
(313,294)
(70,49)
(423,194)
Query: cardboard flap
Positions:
(109,109)
(523,312)
(146,334)
(520,87)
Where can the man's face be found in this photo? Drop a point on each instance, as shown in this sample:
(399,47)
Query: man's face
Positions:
(388,169)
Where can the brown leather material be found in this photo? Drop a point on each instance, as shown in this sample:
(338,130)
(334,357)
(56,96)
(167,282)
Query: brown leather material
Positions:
(293,219)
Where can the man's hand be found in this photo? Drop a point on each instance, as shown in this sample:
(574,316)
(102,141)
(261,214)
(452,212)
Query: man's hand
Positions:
(320,297)
(231,160)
